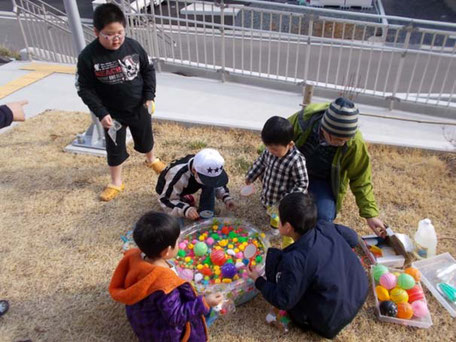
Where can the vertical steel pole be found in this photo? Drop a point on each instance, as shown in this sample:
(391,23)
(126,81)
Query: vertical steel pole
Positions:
(93,138)
(74,21)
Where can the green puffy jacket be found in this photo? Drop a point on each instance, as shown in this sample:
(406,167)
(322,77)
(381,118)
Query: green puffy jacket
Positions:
(351,163)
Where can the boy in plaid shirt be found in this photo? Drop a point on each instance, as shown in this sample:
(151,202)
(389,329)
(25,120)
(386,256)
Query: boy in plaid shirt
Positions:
(281,165)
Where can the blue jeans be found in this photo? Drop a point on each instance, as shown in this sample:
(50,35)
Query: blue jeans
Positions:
(324,198)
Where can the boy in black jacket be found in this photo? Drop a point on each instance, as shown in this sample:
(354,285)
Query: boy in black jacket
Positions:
(318,279)
(116,80)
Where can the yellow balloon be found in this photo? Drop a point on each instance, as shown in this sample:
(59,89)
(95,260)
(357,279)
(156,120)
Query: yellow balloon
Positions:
(382,293)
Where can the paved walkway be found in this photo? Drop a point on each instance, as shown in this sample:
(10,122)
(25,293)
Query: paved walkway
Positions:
(202,101)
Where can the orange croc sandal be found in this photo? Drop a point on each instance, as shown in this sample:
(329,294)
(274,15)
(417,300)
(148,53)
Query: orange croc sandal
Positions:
(157,165)
(111,192)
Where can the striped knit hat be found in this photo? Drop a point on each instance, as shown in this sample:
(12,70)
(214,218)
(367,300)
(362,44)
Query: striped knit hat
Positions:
(341,118)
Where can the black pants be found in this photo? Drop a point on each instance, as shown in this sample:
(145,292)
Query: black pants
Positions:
(141,130)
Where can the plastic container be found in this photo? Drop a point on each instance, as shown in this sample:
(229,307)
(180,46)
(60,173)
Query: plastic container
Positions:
(241,290)
(423,322)
(435,270)
(247,190)
(425,240)
(390,259)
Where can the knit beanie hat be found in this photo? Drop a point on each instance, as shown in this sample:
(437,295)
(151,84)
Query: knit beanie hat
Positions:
(341,118)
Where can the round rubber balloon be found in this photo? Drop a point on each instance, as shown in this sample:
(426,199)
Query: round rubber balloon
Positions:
(388,308)
(414,273)
(415,293)
(378,271)
(388,281)
(404,311)
(420,308)
(405,281)
(399,295)
(382,293)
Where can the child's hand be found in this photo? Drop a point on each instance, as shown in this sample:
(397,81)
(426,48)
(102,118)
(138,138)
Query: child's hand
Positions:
(214,299)
(106,122)
(192,213)
(17,108)
(230,205)
(150,105)
(252,273)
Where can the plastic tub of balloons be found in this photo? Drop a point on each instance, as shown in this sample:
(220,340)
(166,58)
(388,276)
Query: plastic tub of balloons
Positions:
(399,297)
(214,254)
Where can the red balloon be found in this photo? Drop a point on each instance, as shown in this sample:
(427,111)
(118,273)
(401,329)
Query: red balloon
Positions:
(218,257)
(415,293)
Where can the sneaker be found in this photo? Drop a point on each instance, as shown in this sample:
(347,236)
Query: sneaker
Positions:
(157,165)
(110,192)
(4,306)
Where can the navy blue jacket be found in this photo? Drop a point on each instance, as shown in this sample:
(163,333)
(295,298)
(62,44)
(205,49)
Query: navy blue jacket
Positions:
(6,116)
(318,280)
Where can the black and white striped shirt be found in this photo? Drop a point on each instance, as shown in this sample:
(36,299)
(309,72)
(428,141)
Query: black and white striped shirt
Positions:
(178,180)
(281,176)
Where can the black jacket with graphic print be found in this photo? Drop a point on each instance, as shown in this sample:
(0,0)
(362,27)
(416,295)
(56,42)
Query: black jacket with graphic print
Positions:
(115,82)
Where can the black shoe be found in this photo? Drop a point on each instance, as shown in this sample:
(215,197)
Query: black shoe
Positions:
(4,306)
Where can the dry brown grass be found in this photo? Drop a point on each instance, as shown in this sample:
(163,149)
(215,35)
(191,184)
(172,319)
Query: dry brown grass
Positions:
(60,244)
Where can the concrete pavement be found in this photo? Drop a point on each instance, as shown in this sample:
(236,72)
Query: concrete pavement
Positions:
(197,100)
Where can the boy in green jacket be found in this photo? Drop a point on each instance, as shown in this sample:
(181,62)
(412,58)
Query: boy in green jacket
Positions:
(336,156)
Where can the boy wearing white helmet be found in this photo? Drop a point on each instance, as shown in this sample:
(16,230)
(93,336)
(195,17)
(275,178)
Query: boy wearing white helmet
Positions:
(184,177)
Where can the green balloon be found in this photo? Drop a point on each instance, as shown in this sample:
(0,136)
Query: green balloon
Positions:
(405,281)
(378,271)
(200,249)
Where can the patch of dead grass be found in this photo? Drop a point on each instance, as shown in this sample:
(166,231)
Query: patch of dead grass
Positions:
(60,244)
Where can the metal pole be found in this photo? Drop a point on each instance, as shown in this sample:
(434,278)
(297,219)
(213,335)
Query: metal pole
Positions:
(74,21)
(308,91)
(92,141)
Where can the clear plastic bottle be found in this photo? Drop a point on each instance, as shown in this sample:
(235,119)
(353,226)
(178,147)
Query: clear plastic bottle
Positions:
(425,239)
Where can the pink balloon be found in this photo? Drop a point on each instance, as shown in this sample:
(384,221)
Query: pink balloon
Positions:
(420,308)
(388,281)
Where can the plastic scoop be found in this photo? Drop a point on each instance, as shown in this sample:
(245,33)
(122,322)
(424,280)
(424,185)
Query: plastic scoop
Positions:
(206,214)
(247,190)
(250,252)
(112,131)
(447,290)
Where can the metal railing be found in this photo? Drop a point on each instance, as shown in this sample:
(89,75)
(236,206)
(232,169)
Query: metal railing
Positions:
(46,32)
(388,57)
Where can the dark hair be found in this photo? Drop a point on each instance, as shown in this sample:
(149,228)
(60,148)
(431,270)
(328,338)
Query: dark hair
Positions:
(156,231)
(277,131)
(299,210)
(106,14)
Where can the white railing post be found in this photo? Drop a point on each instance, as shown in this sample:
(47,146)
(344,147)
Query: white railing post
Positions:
(18,15)
(222,28)
(309,44)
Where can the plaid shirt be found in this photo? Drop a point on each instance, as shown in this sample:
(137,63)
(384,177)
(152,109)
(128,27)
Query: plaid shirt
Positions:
(281,176)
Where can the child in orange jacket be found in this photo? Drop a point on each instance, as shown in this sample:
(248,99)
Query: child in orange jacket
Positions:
(160,305)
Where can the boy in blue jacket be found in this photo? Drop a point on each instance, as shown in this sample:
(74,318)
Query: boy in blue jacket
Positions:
(318,279)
